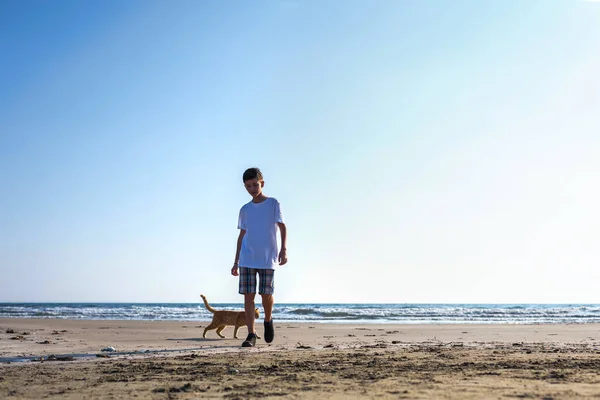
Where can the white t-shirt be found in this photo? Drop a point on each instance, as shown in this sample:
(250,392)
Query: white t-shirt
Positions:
(259,245)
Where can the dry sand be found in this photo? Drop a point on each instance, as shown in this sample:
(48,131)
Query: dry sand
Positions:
(161,360)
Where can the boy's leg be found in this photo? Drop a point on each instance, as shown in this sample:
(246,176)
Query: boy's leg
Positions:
(267,302)
(249,308)
(266,290)
(248,289)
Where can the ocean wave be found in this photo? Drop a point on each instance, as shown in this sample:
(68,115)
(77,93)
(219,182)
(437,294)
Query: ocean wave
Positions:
(303,311)
(368,313)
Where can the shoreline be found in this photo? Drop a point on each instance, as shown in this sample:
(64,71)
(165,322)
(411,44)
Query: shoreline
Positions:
(170,359)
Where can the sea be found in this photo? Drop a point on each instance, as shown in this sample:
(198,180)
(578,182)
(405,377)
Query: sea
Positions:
(320,313)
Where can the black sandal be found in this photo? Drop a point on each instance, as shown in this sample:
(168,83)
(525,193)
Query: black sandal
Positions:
(269,331)
(250,340)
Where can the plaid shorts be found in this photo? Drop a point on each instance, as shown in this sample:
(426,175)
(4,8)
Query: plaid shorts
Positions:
(248,280)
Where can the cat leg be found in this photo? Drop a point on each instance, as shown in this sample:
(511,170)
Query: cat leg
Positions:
(220,329)
(208,328)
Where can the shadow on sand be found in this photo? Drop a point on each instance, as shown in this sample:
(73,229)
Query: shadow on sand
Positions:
(79,356)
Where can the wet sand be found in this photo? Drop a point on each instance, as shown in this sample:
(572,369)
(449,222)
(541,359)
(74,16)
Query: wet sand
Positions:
(161,360)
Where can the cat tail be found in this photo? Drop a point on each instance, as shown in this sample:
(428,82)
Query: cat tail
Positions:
(208,307)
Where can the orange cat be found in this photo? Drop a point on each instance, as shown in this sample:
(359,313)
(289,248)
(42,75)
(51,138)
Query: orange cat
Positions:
(222,318)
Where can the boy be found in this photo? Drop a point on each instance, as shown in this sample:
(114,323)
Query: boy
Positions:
(256,252)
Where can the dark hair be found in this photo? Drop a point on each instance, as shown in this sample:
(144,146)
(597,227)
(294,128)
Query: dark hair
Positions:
(252,173)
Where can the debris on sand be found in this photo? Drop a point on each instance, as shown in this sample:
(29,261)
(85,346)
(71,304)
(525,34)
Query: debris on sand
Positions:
(109,349)
(59,358)
(185,388)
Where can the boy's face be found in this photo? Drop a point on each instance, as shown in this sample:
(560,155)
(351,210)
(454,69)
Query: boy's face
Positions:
(254,187)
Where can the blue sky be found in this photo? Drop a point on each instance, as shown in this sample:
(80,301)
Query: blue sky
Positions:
(429,151)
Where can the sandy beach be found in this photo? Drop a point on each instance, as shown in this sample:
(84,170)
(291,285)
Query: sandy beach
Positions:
(51,358)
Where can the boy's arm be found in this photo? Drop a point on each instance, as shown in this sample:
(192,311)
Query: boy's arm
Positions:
(283,252)
(234,269)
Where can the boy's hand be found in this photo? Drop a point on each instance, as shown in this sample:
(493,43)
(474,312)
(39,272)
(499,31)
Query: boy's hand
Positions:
(282,257)
(234,270)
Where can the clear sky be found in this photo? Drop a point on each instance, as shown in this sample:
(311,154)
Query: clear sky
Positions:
(422,151)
